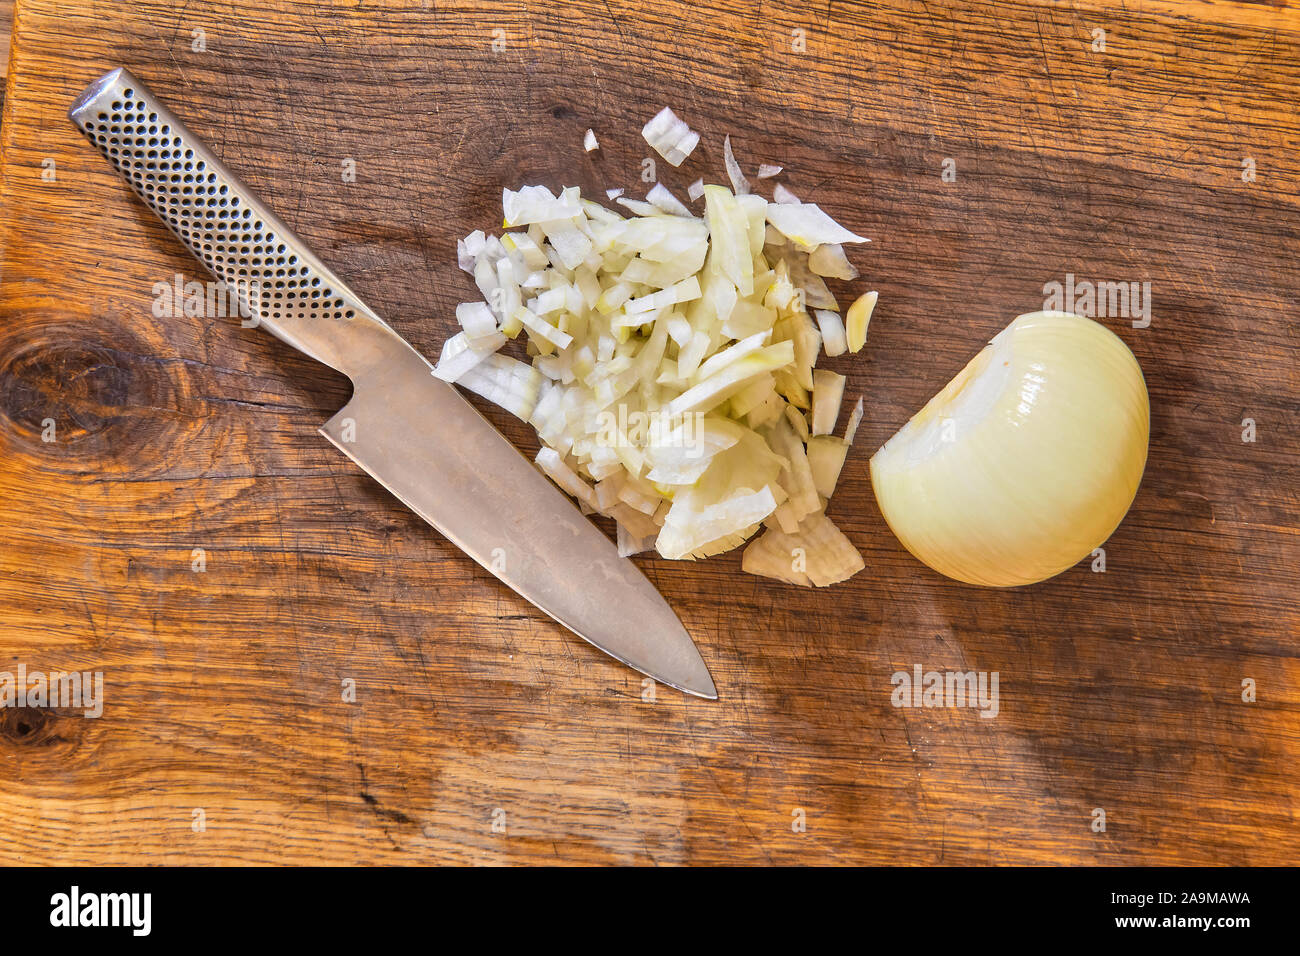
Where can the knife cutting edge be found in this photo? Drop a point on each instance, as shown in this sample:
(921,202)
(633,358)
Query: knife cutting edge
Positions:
(410,431)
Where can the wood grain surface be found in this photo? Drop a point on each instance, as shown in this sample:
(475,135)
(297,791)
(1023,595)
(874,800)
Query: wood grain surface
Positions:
(224,688)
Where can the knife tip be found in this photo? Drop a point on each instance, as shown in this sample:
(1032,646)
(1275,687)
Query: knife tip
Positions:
(709,692)
(699,683)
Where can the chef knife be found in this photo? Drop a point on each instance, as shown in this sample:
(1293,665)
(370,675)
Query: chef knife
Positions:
(412,432)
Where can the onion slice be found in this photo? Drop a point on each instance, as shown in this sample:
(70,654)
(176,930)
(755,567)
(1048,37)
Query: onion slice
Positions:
(808,225)
(739,184)
(859,317)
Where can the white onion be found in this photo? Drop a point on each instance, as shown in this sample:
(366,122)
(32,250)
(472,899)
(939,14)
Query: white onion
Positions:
(1026,461)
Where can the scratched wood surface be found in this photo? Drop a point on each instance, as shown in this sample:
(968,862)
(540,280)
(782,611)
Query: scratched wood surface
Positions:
(1120,691)
(6,23)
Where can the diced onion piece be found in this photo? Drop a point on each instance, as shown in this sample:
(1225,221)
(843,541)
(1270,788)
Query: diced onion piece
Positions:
(746,318)
(629,545)
(739,184)
(856,321)
(787,385)
(818,554)
(732,353)
(635,495)
(662,198)
(815,293)
(478,323)
(684,291)
(670,137)
(469,249)
(536,204)
(459,356)
(766,171)
(799,422)
(721,509)
(752,396)
(505,297)
(834,341)
(729,236)
(572,245)
(607,488)
(543,329)
(506,382)
(689,357)
(679,330)
(780,194)
(855,419)
(524,251)
(638,206)
(614,193)
(552,300)
(801,331)
(681,454)
(755,209)
(796,477)
(589,142)
(766,411)
(549,460)
(696,189)
(827,394)
(808,225)
(826,455)
(637,524)
(717,389)
(718,522)
(828,260)
(612,298)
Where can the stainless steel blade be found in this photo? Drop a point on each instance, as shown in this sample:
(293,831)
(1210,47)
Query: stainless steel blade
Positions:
(412,432)
(434,451)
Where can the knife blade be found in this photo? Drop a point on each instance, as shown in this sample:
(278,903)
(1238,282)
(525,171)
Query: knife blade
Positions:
(410,431)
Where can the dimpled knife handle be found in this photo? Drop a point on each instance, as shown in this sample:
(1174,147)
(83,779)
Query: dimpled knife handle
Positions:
(279,281)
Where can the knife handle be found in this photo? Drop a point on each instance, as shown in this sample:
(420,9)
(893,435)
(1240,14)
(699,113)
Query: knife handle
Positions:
(279,283)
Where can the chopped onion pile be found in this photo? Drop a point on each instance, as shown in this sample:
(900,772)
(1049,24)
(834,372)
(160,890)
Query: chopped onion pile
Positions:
(671,372)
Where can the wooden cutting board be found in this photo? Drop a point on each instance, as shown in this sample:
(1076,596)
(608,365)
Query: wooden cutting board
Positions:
(1162,149)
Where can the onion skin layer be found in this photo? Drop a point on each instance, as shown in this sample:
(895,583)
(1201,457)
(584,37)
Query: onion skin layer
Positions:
(1026,461)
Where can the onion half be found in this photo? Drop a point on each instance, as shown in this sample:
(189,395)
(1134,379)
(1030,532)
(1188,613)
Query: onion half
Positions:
(1026,461)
